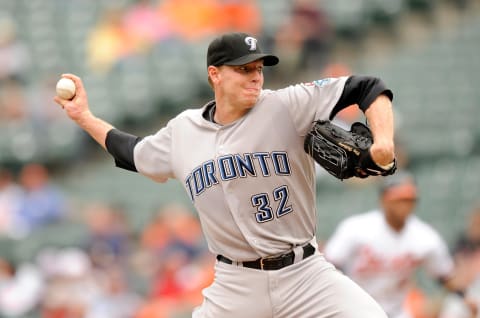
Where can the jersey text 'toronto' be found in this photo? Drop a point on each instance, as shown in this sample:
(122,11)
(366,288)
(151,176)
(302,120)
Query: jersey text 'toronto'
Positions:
(232,166)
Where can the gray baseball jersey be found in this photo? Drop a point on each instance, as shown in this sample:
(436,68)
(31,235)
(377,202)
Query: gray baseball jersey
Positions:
(251,182)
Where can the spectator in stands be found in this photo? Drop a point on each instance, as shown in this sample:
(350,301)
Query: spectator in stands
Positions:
(180,279)
(42,203)
(184,266)
(109,237)
(115,298)
(9,202)
(72,286)
(108,41)
(305,36)
(156,234)
(13,103)
(21,288)
(15,60)
(240,16)
(192,20)
(146,25)
(173,226)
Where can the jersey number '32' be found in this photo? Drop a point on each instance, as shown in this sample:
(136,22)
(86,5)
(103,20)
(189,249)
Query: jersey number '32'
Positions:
(264,210)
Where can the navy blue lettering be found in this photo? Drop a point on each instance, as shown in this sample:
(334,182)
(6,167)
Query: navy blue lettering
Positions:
(198,181)
(227,168)
(209,170)
(188,182)
(263,163)
(245,165)
(280,163)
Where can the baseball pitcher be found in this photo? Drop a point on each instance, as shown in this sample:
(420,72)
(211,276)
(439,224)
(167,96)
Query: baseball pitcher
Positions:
(242,162)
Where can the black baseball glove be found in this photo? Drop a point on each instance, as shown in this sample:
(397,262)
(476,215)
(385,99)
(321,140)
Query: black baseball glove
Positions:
(344,154)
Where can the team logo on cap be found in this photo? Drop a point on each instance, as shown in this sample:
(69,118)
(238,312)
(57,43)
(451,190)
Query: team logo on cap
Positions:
(252,42)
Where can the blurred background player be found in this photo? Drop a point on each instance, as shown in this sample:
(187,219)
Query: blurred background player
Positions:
(381,249)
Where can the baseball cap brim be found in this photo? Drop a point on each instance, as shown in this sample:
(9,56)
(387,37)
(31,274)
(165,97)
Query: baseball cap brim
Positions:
(268,59)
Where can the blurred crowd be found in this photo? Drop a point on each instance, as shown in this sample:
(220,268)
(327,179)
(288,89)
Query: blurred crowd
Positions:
(112,271)
(122,31)
(16,105)
(29,203)
(29,120)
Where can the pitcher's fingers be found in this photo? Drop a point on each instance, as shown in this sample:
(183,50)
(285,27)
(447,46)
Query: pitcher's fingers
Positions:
(61,102)
(77,80)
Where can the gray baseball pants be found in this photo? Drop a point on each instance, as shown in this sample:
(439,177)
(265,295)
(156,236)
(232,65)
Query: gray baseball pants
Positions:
(311,288)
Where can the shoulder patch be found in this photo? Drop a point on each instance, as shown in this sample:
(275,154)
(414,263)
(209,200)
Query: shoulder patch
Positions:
(319,83)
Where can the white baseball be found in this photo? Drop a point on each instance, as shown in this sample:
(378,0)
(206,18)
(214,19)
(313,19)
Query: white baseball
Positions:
(65,88)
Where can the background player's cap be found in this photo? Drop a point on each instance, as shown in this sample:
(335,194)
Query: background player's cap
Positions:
(237,49)
(400,186)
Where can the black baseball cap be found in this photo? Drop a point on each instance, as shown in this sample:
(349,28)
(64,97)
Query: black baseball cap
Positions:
(237,49)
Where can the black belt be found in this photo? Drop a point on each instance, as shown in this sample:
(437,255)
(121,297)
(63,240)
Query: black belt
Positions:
(272,263)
